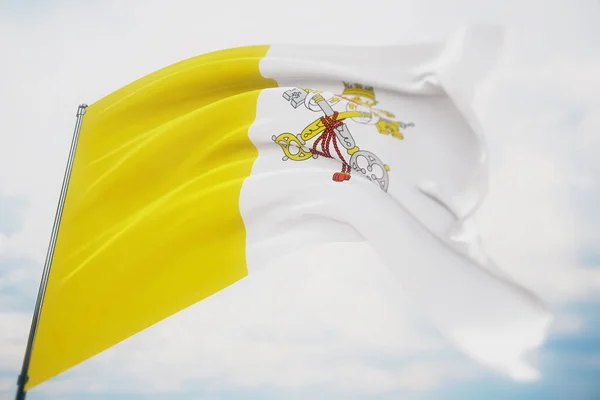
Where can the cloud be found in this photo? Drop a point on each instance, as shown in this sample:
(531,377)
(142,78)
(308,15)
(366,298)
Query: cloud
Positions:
(13,337)
(18,284)
(12,211)
(330,327)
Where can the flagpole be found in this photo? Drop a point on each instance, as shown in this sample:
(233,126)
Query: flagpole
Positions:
(23,377)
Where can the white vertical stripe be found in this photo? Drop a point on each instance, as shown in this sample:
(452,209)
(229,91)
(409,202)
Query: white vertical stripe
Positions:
(437,174)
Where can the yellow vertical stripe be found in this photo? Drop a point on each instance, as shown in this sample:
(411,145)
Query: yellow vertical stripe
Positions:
(151,221)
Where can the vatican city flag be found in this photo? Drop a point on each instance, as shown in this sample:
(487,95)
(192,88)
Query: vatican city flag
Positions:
(192,177)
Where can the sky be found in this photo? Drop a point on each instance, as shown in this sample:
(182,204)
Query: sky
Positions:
(305,334)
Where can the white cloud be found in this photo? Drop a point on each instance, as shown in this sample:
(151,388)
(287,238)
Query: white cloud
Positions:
(565,324)
(13,337)
(3,240)
(589,139)
(298,335)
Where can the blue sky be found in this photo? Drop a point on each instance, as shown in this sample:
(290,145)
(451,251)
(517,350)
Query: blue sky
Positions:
(540,109)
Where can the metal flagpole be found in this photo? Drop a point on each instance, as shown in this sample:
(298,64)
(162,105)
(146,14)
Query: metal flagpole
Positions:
(23,377)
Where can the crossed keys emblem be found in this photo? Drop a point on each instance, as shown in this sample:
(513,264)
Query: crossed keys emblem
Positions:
(330,132)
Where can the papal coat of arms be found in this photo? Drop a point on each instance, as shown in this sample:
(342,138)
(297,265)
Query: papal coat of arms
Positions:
(330,134)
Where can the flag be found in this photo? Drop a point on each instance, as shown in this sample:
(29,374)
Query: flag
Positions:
(192,177)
